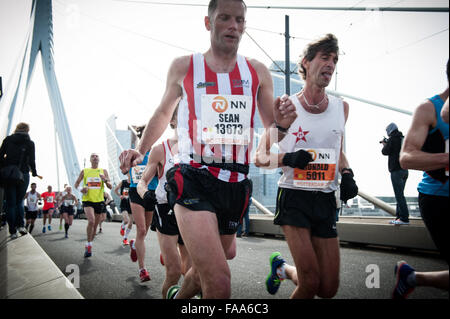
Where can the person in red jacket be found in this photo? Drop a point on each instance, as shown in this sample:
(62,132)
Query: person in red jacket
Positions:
(49,198)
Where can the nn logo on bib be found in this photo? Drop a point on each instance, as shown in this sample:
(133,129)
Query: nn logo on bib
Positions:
(219,104)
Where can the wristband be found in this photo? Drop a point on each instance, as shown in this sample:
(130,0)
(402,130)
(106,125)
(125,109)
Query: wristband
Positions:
(280,128)
(349,170)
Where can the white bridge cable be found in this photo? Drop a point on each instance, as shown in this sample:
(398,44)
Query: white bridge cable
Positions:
(340,94)
(343,8)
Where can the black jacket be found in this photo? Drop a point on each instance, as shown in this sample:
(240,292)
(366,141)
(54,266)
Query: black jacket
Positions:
(392,149)
(11,150)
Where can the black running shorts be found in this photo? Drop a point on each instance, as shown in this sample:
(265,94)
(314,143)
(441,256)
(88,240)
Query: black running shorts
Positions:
(149,205)
(98,207)
(307,209)
(125,205)
(31,215)
(165,222)
(435,215)
(67,209)
(198,190)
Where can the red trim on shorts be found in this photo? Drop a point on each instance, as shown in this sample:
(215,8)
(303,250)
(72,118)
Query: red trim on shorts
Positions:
(247,198)
(179,180)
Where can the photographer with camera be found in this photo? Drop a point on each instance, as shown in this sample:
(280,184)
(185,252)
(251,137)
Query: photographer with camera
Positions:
(391,148)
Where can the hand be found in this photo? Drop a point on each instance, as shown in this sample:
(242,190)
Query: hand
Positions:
(103,177)
(298,159)
(284,111)
(128,159)
(39,176)
(84,190)
(141,188)
(348,187)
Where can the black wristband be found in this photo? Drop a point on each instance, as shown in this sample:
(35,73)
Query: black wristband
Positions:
(349,170)
(281,129)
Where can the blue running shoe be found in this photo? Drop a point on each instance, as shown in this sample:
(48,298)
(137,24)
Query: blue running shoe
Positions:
(402,287)
(49,227)
(273,281)
(43,230)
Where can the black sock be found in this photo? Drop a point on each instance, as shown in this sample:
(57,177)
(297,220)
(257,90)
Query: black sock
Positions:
(66,227)
(31,228)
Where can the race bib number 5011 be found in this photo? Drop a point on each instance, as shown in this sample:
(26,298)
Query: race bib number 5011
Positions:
(226,119)
(320,172)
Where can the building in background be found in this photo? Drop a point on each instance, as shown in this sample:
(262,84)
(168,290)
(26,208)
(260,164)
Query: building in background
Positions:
(116,141)
(265,182)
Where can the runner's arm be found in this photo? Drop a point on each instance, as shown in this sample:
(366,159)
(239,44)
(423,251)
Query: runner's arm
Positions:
(411,155)
(106,179)
(445,111)
(116,189)
(155,158)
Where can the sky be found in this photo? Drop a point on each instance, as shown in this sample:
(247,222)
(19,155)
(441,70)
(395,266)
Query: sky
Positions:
(112,56)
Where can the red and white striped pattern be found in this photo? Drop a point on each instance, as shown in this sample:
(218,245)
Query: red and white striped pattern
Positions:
(243,80)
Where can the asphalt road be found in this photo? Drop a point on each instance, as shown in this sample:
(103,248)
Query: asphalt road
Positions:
(110,274)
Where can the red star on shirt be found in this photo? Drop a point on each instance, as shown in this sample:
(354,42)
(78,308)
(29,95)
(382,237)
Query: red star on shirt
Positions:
(301,135)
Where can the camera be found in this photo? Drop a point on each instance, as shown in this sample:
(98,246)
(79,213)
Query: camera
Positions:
(384,140)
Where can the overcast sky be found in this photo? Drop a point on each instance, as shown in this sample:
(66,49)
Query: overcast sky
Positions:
(112,57)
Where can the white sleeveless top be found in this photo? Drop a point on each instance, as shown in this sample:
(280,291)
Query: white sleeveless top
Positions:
(32,202)
(319,134)
(169,162)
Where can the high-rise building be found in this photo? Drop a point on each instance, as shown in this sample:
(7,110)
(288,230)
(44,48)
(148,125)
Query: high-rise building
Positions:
(265,182)
(116,141)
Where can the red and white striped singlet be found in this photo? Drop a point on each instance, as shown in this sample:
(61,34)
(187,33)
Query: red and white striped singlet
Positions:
(201,82)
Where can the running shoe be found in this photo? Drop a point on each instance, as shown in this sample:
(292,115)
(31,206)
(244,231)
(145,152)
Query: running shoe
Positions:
(43,229)
(143,274)
(402,287)
(172,292)
(161,259)
(66,236)
(60,227)
(14,236)
(22,231)
(125,242)
(273,281)
(400,222)
(88,251)
(122,231)
(392,222)
(49,228)
(133,254)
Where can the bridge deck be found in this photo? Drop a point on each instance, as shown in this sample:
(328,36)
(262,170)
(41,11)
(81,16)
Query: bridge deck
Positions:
(110,274)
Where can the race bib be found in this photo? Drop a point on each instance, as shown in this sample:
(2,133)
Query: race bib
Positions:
(320,172)
(125,192)
(136,173)
(32,200)
(94,182)
(49,199)
(226,119)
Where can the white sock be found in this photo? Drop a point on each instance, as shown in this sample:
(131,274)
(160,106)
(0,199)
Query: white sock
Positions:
(127,232)
(281,272)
